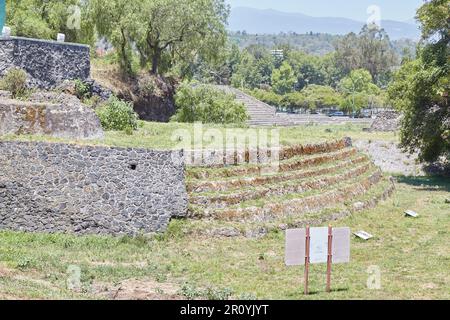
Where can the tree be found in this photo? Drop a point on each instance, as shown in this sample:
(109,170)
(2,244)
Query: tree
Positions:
(114,20)
(44,19)
(283,79)
(255,68)
(370,50)
(356,87)
(307,68)
(181,28)
(421,87)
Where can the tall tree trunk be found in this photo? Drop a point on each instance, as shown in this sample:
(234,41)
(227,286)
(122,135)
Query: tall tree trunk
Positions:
(155,60)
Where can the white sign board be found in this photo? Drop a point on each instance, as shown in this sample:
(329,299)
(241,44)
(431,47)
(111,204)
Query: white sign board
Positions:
(363,235)
(319,245)
(296,246)
(410,213)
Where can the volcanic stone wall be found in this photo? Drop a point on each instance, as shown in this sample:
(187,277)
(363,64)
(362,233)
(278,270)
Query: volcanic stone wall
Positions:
(47,187)
(48,63)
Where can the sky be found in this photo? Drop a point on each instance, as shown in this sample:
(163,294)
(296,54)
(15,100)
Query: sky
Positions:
(400,10)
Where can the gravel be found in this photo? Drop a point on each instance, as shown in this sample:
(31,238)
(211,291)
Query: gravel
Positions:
(390,158)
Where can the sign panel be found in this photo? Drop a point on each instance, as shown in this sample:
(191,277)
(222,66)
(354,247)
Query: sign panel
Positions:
(341,245)
(295,247)
(296,243)
(319,245)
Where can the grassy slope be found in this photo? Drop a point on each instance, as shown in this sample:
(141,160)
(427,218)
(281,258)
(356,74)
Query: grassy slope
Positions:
(164,135)
(413,255)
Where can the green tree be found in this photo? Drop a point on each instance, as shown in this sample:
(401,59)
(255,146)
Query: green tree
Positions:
(180,28)
(356,88)
(307,68)
(421,87)
(45,19)
(283,79)
(255,68)
(370,50)
(115,20)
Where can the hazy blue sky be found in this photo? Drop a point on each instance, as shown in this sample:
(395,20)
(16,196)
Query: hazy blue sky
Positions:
(355,9)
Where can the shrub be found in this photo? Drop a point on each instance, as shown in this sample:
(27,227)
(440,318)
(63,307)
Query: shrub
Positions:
(81,89)
(117,115)
(209,105)
(15,81)
(268,97)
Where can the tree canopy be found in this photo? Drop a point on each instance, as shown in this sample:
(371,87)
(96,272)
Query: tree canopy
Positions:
(162,30)
(45,19)
(421,87)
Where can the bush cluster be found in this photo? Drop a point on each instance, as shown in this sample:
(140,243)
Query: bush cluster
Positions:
(207,104)
(15,81)
(117,115)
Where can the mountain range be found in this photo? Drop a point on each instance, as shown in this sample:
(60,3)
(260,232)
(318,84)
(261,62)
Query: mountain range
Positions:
(269,21)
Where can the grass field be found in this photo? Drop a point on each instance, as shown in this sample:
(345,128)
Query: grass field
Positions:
(164,135)
(412,254)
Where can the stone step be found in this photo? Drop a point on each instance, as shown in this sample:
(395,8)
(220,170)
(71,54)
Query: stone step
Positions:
(290,164)
(297,187)
(276,207)
(379,192)
(198,186)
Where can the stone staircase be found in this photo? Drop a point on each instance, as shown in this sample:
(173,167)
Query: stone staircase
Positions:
(313,184)
(260,113)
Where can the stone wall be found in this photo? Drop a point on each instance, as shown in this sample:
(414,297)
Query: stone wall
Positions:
(48,63)
(48,187)
(48,113)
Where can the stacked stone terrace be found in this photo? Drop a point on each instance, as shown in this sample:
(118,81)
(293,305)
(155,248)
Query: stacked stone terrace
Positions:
(312,184)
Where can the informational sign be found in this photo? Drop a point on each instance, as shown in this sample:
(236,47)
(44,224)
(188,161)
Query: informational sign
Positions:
(2,14)
(317,245)
(296,244)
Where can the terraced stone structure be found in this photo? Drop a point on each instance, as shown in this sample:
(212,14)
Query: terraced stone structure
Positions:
(313,184)
(47,187)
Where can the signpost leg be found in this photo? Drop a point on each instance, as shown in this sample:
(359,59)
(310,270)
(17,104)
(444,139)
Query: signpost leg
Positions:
(330,257)
(308,240)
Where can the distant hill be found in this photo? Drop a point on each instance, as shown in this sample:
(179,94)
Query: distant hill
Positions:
(271,21)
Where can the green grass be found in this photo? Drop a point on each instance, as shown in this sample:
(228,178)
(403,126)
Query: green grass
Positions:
(412,254)
(163,136)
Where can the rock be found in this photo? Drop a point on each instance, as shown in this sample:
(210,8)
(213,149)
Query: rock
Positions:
(49,113)
(386,121)
(447,200)
(226,232)
(256,233)
(153,98)
(359,206)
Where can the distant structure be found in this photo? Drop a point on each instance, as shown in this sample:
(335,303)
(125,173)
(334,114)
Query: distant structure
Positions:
(278,53)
